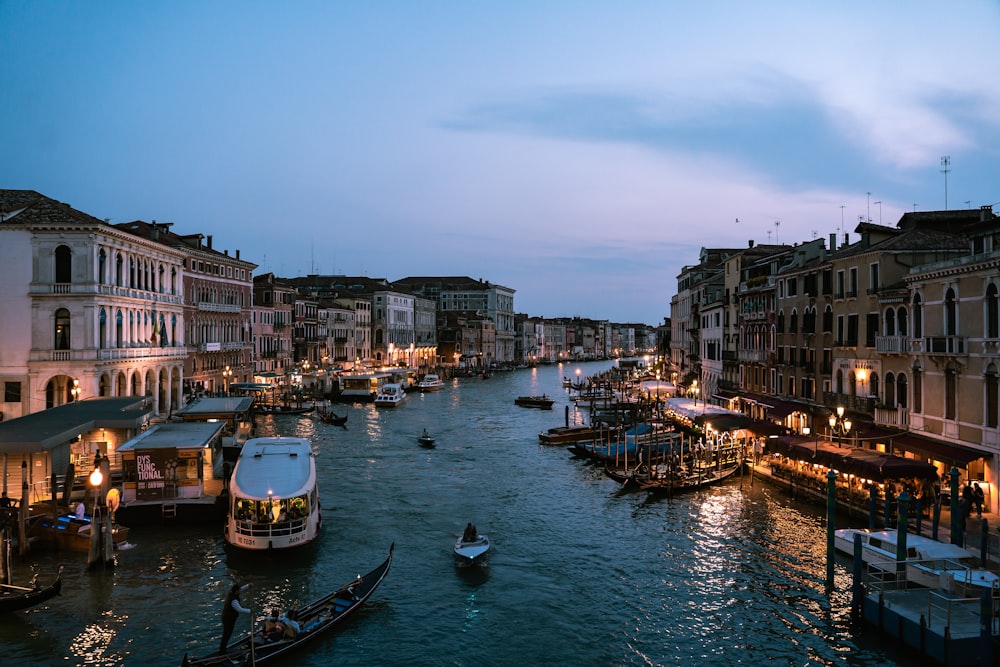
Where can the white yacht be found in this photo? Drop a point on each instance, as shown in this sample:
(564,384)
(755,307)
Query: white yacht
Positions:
(431,382)
(390,395)
(273,497)
(928,562)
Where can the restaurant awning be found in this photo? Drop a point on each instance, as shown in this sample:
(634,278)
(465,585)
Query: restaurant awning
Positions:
(864,463)
(937,450)
(775,408)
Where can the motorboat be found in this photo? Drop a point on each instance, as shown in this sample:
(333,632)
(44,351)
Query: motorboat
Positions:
(431,382)
(472,552)
(425,440)
(542,402)
(390,395)
(70,531)
(929,563)
(273,497)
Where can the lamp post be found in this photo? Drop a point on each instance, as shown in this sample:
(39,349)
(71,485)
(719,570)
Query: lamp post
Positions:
(227,373)
(75,390)
(806,431)
(840,425)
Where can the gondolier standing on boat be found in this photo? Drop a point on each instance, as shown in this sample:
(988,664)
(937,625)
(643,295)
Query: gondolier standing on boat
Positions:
(231,610)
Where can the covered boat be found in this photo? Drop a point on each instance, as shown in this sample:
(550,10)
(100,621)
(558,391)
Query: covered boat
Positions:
(543,402)
(273,496)
(314,619)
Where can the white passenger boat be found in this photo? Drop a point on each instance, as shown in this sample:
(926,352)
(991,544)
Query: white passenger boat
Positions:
(929,563)
(390,395)
(273,498)
(431,382)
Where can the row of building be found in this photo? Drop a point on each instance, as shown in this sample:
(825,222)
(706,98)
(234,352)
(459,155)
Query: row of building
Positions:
(92,308)
(889,339)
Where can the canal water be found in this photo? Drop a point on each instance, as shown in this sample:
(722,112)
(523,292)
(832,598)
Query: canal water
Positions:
(580,573)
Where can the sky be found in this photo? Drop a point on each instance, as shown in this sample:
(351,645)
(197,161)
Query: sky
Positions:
(581,153)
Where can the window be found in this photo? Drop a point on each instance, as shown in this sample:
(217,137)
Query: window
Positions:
(890,322)
(852,330)
(918,317)
(62,332)
(102,333)
(918,388)
(873,279)
(992,312)
(901,390)
(853,282)
(890,390)
(11,392)
(64,264)
(950,393)
(828,320)
(871,329)
(950,313)
(991,396)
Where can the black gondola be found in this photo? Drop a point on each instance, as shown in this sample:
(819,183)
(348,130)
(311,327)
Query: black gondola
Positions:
(314,620)
(282,410)
(330,417)
(16,598)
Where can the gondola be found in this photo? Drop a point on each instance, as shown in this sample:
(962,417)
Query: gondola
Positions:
(282,410)
(314,619)
(16,598)
(692,481)
(329,417)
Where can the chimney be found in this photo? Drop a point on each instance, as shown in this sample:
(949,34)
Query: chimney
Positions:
(833,242)
(237,253)
(751,243)
(209,241)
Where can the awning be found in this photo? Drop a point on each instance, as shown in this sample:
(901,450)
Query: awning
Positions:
(776,408)
(860,462)
(937,450)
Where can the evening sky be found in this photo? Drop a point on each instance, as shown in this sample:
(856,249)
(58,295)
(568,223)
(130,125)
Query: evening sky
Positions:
(579,152)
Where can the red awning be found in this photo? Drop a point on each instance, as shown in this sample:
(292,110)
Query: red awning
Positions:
(937,450)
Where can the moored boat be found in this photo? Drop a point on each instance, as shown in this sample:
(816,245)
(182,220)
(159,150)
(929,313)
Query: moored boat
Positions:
(929,563)
(315,619)
(70,531)
(676,481)
(16,598)
(543,402)
(567,435)
(268,409)
(390,395)
(273,496)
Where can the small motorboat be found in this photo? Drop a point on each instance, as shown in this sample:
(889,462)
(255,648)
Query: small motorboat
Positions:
(472,549)
(426,440)
(542,402)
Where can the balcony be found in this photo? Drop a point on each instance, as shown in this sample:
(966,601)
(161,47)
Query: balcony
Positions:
(114,353)
(210,307)
(858,404)
(892,344)
(898,417)
(944,345)
(752,355)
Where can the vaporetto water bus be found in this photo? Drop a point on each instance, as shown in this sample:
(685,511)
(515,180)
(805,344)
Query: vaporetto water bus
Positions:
(273,499)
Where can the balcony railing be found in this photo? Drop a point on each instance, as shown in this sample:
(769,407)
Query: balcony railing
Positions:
(892,417)
(945,345)
(753,355)
(892,344)
(218,307)
(861,404)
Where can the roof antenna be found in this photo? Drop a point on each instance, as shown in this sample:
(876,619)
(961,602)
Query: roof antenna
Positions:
(945,168)
(777,223)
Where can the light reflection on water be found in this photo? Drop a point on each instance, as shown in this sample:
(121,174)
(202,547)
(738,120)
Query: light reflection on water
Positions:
(580,573)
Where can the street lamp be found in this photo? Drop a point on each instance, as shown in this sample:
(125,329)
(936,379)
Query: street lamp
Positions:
(806,431)
(75,390)
(840,425)
(227,373)
(96,479)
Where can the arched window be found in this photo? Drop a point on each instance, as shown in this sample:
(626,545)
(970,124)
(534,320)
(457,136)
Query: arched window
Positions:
(62,338)
(840,381)
(781,322)
(119,328)
(119,263)
(950,393)
(918,317)
(102,330)
(991,395)
(828,319)
(901,392)
(890,322)
(918,390)
(64,264)
(102,267)
(901,320)
(992,312)
(890,390)
(873,385)
(950,313)
(793,323)
(173,330)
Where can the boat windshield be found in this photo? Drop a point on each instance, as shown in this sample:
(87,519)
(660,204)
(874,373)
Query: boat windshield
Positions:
(276,510)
